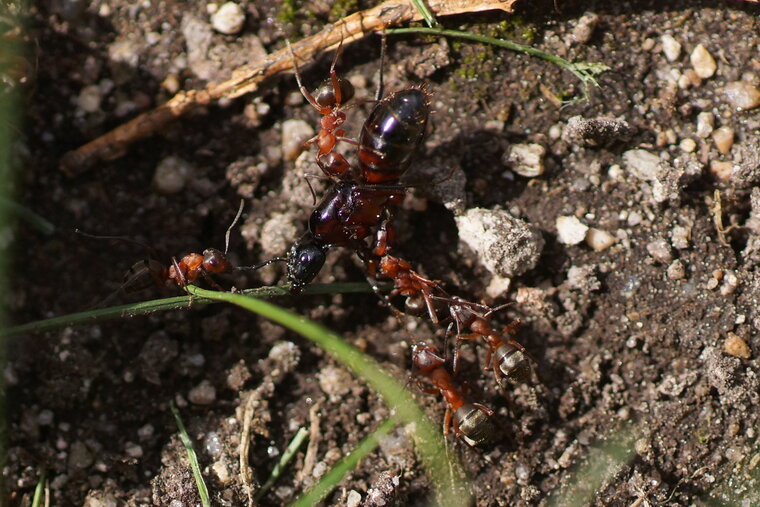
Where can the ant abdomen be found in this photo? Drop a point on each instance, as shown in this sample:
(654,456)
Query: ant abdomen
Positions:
(475,425)
(392,133)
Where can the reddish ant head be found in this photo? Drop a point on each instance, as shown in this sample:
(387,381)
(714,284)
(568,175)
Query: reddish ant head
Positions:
(215,261)
(475,425)
(325,94)
(425,358)
(305,260)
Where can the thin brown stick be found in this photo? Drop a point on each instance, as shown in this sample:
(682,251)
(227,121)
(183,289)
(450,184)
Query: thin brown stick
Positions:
(246,79)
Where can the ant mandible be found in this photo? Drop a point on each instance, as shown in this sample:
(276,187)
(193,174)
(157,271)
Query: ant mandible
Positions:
(472,421)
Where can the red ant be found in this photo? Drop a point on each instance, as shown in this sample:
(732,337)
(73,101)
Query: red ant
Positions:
(187,270)
(329,99)
(470,420)
(508,358)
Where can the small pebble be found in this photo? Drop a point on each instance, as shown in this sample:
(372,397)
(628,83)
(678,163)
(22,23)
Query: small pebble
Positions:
(721,170)
(705,124)
(688,145)
(229,19)
(712,284)
(689,79)
(171,175)
(599,240)
(133,450)
(294,134)
(730,283)
(676,270)
(703,62)
(584,30)
(89,99)
(171,84)
(724,139)
(660,251)
(335,382)
(80,456)
(202,394)
(277,234)
(670,47)
(642,164)
(526,159)
(353,499)
(736,346)
(570,230)
(222,472)
(742,94)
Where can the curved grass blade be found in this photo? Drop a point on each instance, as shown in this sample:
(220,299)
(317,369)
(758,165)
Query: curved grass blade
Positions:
(191,456)
(39,489)
(586,72)
(330,480)
(425,13)
(173,303)
(27,215)
(445,471)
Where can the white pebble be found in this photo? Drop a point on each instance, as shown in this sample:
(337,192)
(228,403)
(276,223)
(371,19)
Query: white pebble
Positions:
(724,139)
(642,164)
(571,231)
(660,251)
(202,394)
(353,499)
(527,159)
(742,94)
(229,19)
(688,145)
(671,47)
(335,382)
(679,237)
(722,170)
(294,134)
(599,240)
(705,124)
(703,62)
(133,450)
(676,270)
(89,99)
(171,175)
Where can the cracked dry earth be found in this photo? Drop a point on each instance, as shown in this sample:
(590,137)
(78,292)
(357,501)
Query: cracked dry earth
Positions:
(630,222)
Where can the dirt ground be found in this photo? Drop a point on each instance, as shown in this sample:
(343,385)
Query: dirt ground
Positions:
(648,336)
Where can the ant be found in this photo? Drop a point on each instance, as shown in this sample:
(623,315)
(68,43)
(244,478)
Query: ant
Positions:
(188,269)
(507,357)
(472,421)
(354,206)
(329,99)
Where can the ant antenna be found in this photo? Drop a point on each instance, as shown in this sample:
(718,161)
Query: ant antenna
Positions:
(262,264)
(313,193)
(383,44)
(229,229)
(115,238)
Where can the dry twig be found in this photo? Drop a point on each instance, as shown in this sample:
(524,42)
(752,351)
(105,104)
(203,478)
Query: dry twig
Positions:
(247,79)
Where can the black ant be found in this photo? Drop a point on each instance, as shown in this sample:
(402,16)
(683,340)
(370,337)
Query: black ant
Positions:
(472,421)
(352,208)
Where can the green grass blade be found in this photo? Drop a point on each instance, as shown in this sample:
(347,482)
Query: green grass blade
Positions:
(291,450)
(422,8)
(586,72)
(445,471)
(39,490)
(30,217)
(191,456)
(330,480)
(173,303)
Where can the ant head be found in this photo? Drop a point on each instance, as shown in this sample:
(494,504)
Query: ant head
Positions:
(425,358)
(325,95)
(215,261)
(305,260)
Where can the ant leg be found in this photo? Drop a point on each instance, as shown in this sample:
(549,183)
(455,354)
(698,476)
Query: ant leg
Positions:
(308,96)
(447,423)
(212,282)
(181,280)
(483,409)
